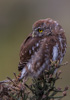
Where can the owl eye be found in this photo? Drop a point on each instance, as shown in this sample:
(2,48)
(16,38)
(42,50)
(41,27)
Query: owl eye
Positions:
(40,30)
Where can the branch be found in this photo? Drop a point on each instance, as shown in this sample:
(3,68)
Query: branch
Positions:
(42,88)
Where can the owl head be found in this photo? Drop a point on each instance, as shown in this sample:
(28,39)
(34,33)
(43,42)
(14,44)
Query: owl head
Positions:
(46,27)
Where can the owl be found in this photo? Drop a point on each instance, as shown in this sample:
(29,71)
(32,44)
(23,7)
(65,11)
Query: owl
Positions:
(46,41)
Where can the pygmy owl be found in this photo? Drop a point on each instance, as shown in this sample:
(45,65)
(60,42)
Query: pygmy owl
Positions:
(46,41)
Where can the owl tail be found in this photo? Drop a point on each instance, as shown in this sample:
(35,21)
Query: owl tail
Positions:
(23,73)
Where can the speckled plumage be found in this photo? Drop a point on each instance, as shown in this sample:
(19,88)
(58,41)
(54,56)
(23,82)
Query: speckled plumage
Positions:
(47,41)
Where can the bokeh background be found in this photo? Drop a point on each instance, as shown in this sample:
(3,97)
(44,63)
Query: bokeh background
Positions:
(16,19)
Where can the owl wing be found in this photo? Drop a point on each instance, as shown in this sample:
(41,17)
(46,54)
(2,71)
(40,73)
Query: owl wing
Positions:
(27,49)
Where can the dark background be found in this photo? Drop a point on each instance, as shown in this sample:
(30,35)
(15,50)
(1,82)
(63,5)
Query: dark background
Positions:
(16,19)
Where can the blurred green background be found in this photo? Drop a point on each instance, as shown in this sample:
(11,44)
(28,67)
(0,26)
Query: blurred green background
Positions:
(16,19)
